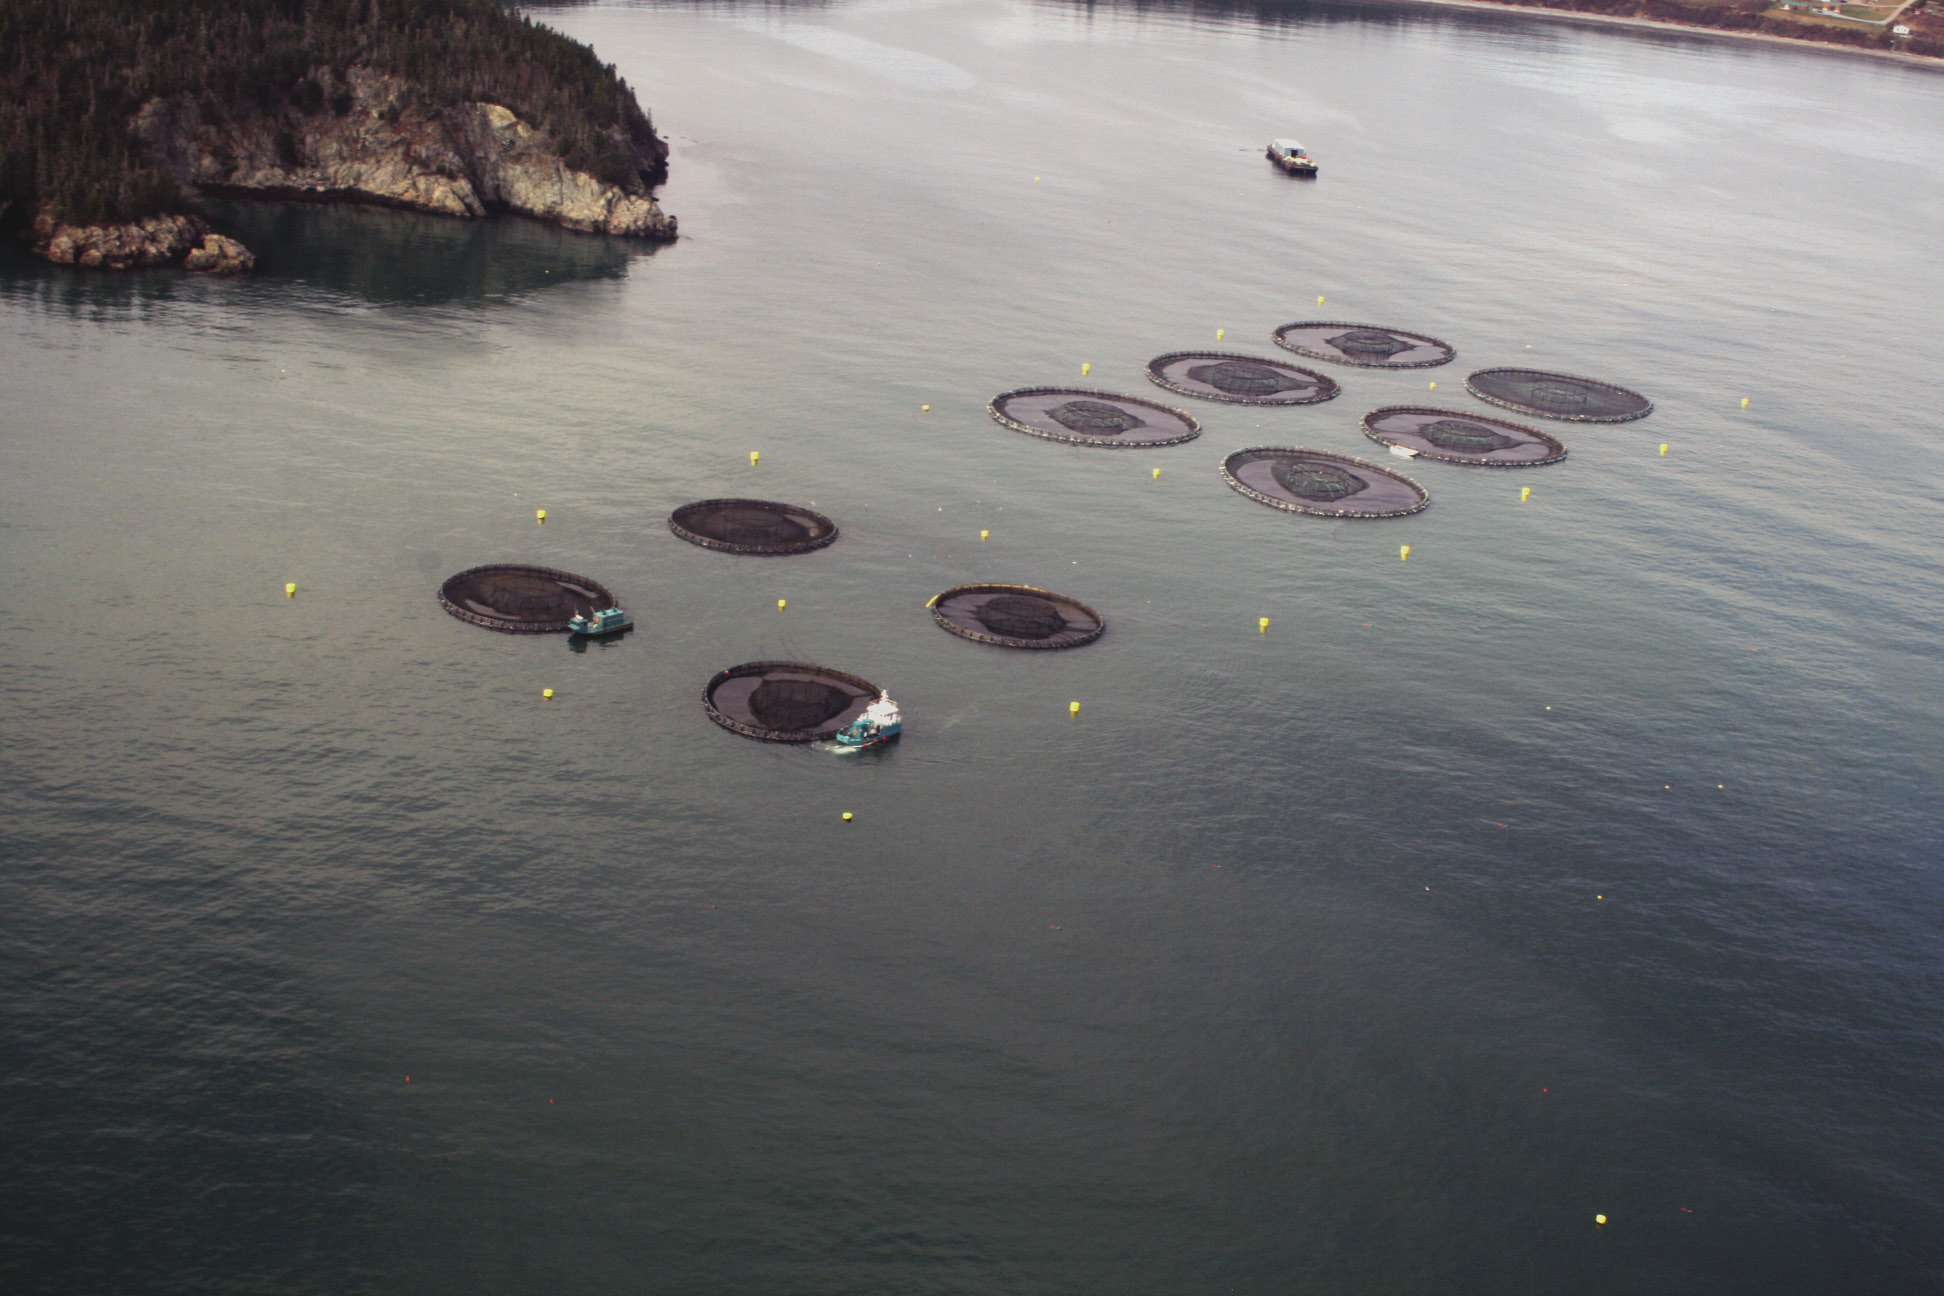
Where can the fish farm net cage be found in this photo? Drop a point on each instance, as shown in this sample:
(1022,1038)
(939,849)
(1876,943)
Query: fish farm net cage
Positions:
(1322,484)
(1558,396)
(1017,616)
(1082,416)
(518,599)
(788,702)
(1365,345)
(749,526)
(1453,436)
(1239,379)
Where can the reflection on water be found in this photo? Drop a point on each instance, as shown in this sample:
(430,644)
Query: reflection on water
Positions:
(1532,26)
(380,255)
(577,644)
(383,255)
(87,294)
(1268,13)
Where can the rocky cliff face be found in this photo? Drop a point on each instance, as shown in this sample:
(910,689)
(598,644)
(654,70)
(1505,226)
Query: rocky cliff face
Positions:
(372,139)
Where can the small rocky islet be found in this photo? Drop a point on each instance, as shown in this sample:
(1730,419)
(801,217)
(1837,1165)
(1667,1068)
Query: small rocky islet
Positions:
(116,117)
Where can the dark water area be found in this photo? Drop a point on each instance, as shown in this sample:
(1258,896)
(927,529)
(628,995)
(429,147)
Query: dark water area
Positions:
(1586,863)
(382,256)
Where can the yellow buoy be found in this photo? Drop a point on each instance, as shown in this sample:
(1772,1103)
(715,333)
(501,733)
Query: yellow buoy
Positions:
(924,409)
(1220,333)
(540,515)
(547,693)
(1073,708)
(1035,179)
(1263,625)
(1157,472)
(1744,402)
(1434,386)
(1319,301)
(1600,1220)
(1085,369)
(781,604)
(1663,447)
(847,816)
(1404,553)
(1525,493)
(753,457)
(984,534)
(290,590)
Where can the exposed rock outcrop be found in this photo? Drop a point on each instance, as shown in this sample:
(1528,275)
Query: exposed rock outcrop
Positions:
(220,254)
(159,240)
(519,168)
(373,139)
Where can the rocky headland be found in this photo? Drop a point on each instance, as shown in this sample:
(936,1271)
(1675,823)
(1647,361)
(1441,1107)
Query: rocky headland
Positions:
(566,144)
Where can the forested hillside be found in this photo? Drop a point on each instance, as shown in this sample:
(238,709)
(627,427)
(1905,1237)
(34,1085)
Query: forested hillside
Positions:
(75,73)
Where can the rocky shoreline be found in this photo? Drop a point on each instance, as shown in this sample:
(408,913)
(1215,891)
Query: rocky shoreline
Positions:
(1746,22)
(371,138)
(160,240)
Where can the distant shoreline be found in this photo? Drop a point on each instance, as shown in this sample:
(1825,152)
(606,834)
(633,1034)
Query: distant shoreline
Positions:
(1692,29)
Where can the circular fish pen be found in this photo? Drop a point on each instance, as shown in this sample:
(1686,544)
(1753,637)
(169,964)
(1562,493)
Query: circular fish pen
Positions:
(750,526)
(518,599)
(788,702)
(1017,616)
(1082,416)
(1239,379)
(1322,484)
(1453,436)
(1364,345)
(1558,396)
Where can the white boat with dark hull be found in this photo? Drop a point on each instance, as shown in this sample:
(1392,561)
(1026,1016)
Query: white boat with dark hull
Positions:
(1289,156)
(880,723)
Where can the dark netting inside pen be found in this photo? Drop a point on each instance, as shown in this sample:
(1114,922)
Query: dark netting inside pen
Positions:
(1558,396)
(1081,417)
(1017,616)
(1453,436)
(1363,344)
(1322,484)
(520,599)
(786,701)
(1239,379)
(748,526)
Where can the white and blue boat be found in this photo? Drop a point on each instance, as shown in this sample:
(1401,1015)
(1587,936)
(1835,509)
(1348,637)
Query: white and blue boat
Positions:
(880,723)
(1290,157)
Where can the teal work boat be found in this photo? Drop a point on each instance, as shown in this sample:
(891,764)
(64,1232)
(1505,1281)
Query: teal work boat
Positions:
(605,622)
(880,723)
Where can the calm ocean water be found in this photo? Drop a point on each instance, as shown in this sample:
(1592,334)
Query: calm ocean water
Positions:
(1589,862)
